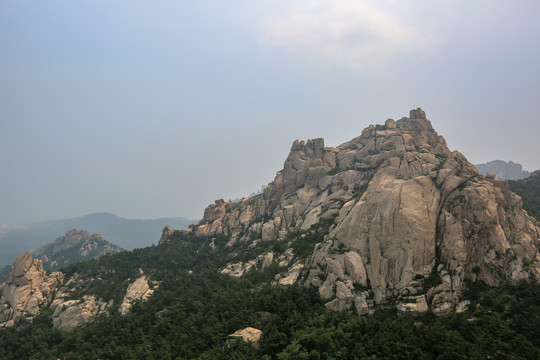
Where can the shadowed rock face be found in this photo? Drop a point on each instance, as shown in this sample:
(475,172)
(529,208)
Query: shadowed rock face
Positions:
(400,206)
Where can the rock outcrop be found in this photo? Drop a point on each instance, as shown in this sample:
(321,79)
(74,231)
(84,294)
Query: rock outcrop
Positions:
(137,290)
(69,313)
(240,268)
(27,290)
(249,335)
(399,208)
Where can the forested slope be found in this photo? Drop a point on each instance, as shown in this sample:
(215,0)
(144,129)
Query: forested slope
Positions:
(529,190)
(194,308)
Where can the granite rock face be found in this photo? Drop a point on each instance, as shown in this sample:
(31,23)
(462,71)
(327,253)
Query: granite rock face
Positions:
(137,290)
(27,290)
(399,208)
(248,335)
(69,313)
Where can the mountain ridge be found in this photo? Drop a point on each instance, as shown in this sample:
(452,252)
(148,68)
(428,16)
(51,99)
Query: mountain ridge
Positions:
(396,206)
(126,233)
(390,218)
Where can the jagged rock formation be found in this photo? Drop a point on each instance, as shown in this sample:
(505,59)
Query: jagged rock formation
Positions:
(238,269)
(137,290)
(69,313)
(27,290)
(503,170)
(75,245)
(399,207)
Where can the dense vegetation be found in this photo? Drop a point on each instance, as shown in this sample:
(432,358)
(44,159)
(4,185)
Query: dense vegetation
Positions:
(195,308)
(529,190)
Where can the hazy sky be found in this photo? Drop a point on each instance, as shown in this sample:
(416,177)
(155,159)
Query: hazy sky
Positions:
(149,109)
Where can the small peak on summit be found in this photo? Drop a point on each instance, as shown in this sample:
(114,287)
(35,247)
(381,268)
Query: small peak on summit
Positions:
(417,114)
(314,144)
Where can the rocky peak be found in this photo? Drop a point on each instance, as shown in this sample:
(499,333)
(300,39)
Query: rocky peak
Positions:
(398,207)
(166,233)
(59,253)
(27,290)
(417,114)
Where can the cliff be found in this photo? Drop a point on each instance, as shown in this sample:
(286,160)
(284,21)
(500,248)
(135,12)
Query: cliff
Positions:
(405,219)
(27,290)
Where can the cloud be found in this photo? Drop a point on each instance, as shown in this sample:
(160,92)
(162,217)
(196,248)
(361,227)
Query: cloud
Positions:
(350,33)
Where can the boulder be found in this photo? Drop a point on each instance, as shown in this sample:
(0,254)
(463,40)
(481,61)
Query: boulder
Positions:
(414,305)
(249,335)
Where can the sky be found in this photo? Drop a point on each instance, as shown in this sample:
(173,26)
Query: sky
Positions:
(149,109)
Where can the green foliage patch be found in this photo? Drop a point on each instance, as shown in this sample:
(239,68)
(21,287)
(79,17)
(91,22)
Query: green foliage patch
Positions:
(529,190)
(191,314)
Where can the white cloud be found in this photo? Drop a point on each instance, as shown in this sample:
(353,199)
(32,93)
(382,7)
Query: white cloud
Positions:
(355,34)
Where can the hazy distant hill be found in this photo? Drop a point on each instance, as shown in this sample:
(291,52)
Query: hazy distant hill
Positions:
(503,170)
(126,233)
(75,245)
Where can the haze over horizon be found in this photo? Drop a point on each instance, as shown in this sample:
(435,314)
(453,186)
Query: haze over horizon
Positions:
(151,111)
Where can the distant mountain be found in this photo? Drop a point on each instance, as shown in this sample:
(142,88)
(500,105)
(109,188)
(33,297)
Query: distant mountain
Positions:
(75,245)
(126,233)
(503,170)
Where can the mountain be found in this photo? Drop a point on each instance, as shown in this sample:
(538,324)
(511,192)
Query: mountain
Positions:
(75,245)
(503,170)
(395,207)
(126,233)
(391,222)
(529,190)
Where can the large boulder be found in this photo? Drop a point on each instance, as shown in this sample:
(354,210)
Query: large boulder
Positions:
(248,335)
